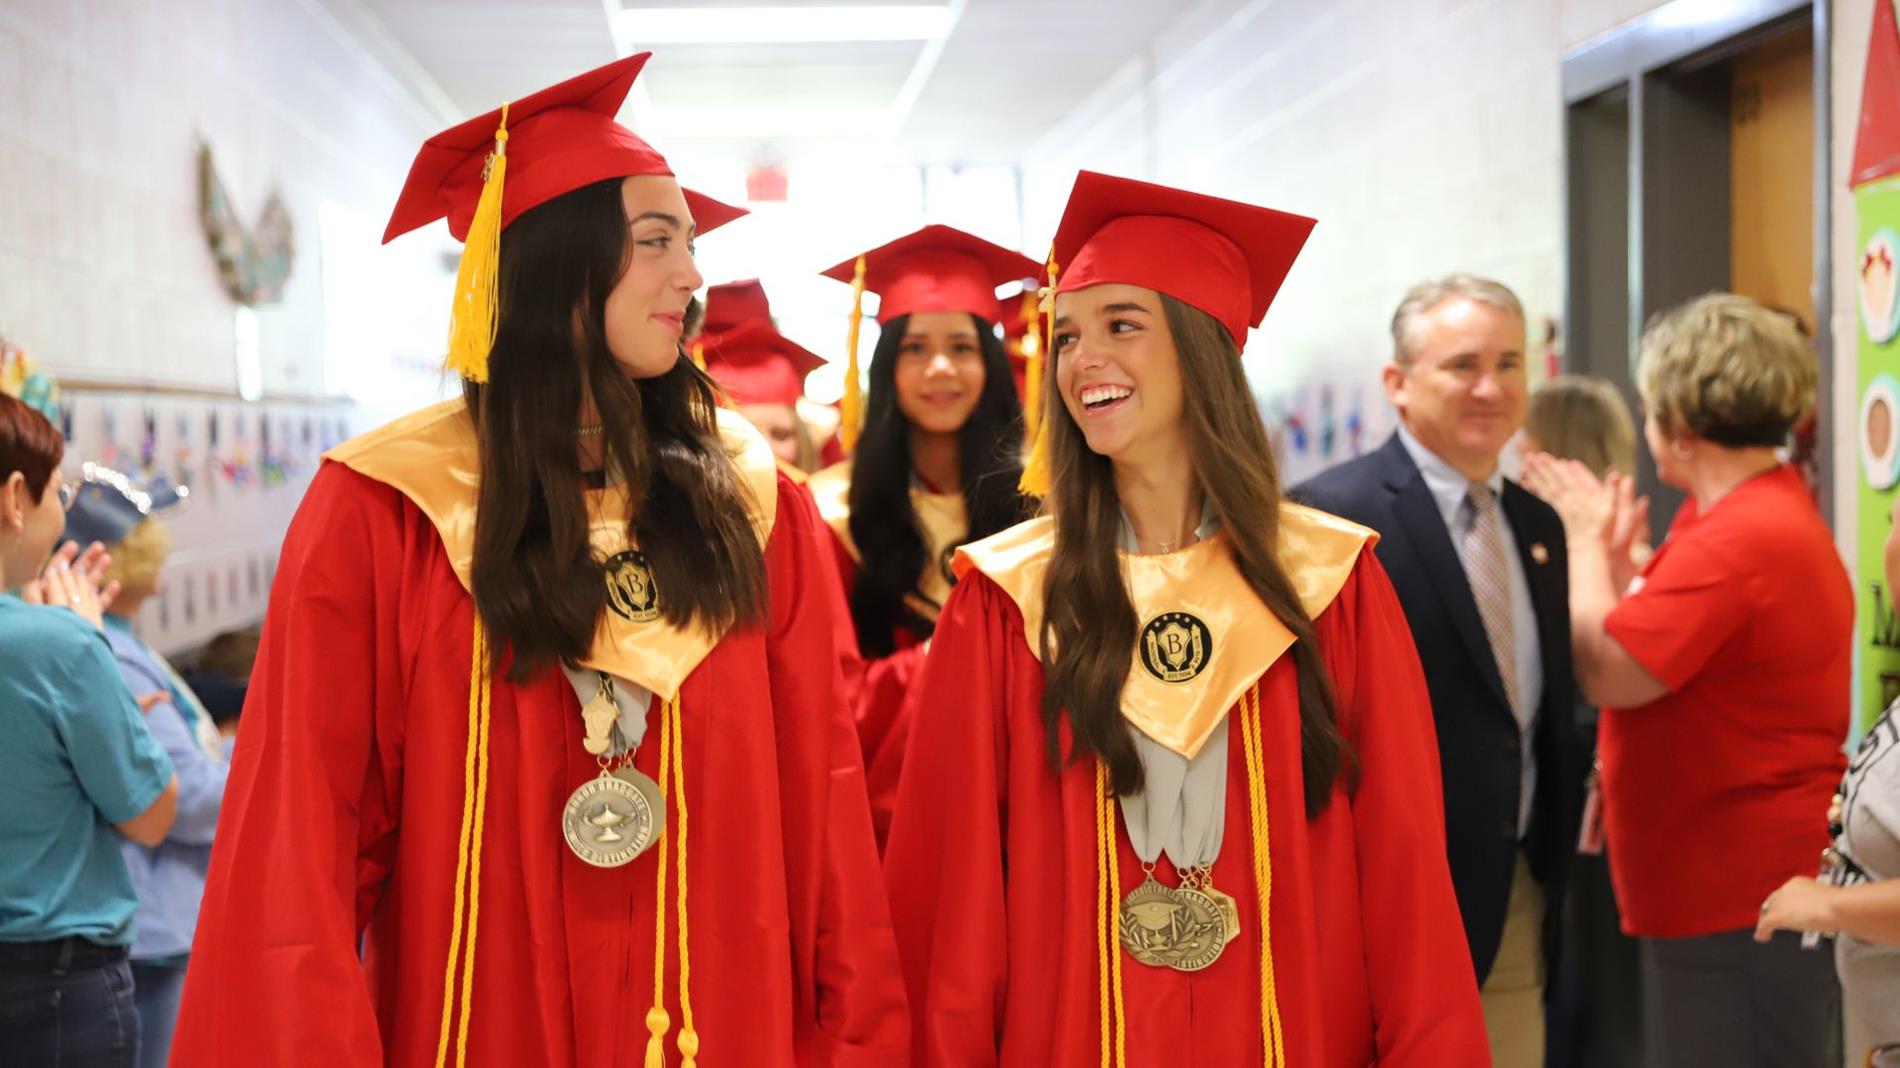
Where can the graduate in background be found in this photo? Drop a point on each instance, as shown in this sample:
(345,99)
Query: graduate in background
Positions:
(936,457)
(730,305)
(543,719)
(762,373)
(1171,794)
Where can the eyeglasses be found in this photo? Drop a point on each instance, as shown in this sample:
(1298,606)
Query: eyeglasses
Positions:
(68,494)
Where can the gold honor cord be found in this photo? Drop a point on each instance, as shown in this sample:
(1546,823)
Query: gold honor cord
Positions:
(1108,949)
(1272,1035)
(672,776)
(468,860)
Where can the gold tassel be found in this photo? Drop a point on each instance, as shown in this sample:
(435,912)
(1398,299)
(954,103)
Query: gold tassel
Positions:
(1032,374)
(699,355)
(472,318)
(851,408)
(1035,478)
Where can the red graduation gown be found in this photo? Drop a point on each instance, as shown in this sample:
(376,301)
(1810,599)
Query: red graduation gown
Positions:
(342,814)
(991,868)
(879,689)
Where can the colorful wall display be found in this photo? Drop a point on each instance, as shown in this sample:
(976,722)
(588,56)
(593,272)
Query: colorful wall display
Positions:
(1875,179)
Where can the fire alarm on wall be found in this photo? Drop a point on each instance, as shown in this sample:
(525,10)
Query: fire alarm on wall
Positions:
(765,183)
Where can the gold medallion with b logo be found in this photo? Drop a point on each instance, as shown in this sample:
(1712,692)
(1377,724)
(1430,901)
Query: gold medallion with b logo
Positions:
(630,591)
(1175,646)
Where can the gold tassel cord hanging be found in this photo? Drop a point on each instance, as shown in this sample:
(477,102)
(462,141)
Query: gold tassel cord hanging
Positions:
(671,776)
(851,407)
(1108,941)
(1273,1037)
(1035,477)
(689,1036)
(1033,355)
(659,1022)
(472,315)
(468,860)
(1108,945)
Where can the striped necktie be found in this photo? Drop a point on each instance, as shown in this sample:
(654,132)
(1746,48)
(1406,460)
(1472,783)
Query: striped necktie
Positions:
(1489,573)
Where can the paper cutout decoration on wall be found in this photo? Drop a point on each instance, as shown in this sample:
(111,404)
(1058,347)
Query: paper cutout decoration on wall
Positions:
(253,263)
(1877,142)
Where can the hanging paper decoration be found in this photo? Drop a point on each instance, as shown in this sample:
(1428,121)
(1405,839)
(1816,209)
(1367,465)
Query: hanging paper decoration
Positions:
(253,264)
(38,390)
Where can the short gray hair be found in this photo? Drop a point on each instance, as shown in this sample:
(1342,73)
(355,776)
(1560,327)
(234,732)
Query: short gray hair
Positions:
(1423,297)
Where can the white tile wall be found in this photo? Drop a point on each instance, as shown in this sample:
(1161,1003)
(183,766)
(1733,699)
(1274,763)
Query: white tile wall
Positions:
(104,269)
(1425,137)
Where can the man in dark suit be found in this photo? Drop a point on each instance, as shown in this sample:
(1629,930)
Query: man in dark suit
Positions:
(1479,566)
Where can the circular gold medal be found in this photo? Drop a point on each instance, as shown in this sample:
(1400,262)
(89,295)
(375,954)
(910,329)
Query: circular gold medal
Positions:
(1180,929)
(610,821)
(1202,931)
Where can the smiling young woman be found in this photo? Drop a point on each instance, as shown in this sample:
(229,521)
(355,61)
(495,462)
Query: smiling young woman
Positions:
(516,639)
(936,464)
(1170,793)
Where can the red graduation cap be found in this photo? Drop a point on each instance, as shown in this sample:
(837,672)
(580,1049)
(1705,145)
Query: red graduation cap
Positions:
(1221,256)
(554,142)
(936,269)
(1021,341)
(755,364)
(734,304)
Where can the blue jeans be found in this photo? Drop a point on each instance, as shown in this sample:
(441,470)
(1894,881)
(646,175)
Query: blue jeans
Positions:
(67,1004)
(158,988)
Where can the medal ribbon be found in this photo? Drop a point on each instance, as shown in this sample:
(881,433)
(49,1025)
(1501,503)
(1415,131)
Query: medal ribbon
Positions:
(1108,881)
(672,777)
(468,859)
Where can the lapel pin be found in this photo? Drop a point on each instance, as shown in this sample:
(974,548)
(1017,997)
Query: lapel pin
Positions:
(1539,554)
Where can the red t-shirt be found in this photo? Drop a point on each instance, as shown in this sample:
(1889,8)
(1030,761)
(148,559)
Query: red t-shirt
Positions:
(1717,792)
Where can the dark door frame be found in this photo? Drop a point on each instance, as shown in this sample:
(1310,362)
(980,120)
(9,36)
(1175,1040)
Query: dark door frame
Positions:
(1643,65)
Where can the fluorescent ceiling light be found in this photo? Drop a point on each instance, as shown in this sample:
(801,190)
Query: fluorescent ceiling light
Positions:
(783,122)
(641,26)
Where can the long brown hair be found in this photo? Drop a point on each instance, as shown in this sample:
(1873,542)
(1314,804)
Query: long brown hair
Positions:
(537,582)
(1089,625)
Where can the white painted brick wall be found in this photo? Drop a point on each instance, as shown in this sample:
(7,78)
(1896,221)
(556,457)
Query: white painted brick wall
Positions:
(1425,137)
(104,270)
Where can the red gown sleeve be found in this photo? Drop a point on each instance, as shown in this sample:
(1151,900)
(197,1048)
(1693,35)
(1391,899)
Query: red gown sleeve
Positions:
(942,864)
(304,842)
(853,1010)
(1424,995)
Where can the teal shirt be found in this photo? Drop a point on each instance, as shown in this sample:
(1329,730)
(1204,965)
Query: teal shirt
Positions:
(75,759)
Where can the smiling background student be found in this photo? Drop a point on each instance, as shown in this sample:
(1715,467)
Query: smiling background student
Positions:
(935,462)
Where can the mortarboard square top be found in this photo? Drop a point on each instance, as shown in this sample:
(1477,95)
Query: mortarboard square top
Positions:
(559,139)
(755,364)
(733,304)
(937,269)
(1223,257)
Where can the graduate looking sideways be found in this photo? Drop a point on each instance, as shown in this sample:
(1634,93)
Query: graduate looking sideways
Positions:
(542,718)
